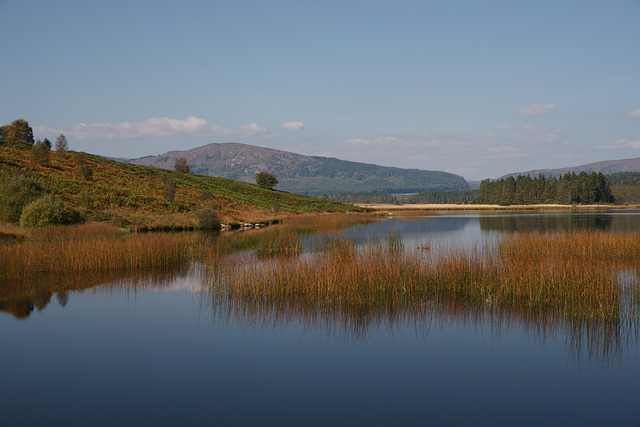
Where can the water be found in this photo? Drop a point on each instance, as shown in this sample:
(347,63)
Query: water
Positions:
(158,351)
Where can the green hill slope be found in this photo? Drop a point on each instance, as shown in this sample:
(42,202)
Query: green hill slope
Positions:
(305,174)
(137,192)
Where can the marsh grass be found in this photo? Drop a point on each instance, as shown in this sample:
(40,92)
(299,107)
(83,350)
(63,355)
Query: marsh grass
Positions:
(98,247)
(585,283)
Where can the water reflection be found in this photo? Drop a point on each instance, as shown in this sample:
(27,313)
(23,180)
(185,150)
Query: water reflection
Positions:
(21,298)
(590,341)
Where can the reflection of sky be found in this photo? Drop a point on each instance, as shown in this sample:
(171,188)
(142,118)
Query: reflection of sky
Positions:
(436,231)
(472,230)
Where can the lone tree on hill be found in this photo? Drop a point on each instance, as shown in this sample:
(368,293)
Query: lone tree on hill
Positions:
(181,165)
(266,180)
(62,146)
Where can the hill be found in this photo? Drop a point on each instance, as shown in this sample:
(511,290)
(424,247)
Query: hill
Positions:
(606,167)
(137,194)
(305,174)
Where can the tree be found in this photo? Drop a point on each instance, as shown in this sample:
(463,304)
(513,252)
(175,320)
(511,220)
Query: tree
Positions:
(266,180)
(39,152)
(17,133)
(181,165)
(62,146)
(47,143)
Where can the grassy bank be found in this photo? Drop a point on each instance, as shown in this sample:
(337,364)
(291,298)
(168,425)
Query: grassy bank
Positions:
(116,191)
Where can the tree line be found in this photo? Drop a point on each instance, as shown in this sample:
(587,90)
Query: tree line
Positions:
(570,188)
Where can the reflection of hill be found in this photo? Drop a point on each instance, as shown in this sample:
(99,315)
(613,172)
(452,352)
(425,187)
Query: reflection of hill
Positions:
(407,226)
(21,297)
(544,222)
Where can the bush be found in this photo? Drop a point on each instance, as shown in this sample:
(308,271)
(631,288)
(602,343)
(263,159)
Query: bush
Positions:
(15,194)
(85,171)
(49,210)
(207,219)
(39,152)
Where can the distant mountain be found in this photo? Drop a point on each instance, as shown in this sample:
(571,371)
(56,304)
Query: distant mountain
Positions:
(606,167)
(302,174)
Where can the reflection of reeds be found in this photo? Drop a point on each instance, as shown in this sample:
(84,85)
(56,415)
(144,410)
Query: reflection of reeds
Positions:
(569,280)
(278,242)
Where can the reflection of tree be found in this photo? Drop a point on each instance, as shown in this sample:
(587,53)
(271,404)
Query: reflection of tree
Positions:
(63,298)
(20,298)
(544,223)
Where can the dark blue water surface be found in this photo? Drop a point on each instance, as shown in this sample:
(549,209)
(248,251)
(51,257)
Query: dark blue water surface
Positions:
(131,353)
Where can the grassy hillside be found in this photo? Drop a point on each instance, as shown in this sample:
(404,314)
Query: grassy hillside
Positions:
(135,192)
(305,174)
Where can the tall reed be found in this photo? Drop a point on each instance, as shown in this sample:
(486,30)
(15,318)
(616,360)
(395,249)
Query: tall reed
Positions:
(86,249)
(571,279)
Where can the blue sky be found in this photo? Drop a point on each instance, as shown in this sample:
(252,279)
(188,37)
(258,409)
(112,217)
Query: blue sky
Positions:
(478,88)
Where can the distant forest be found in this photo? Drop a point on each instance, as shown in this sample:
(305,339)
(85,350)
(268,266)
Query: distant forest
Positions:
(569,189)
(425,197)
(625,187)
(620,187)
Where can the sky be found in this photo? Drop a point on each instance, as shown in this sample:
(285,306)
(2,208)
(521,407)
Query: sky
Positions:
(477,88)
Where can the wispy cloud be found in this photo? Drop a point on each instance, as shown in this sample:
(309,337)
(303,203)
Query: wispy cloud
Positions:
(620,143)
(292,126)
(509,149)
(634,115)
(378,141)
(537,110)
(154,126)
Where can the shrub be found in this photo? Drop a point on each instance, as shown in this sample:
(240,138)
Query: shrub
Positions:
(39,152)
(15,194)
(207,219)
(49,210)
(85,171)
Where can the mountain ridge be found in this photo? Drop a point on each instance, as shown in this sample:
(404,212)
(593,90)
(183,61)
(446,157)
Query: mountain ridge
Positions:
(312,175)
(604,166)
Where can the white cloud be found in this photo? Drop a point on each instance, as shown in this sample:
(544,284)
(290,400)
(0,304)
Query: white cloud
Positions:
(292,126)
(154,126)
(621,143)
(634,115)
(378,141)
(358,141)
(476,154)
(537,110)
(251,128)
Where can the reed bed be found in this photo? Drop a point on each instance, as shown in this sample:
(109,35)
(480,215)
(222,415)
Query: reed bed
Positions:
(568,278)
(91,249)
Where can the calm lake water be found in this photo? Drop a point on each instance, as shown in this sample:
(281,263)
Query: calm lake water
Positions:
(158,351)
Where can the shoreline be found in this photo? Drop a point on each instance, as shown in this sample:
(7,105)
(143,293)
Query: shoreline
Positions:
(472,207)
